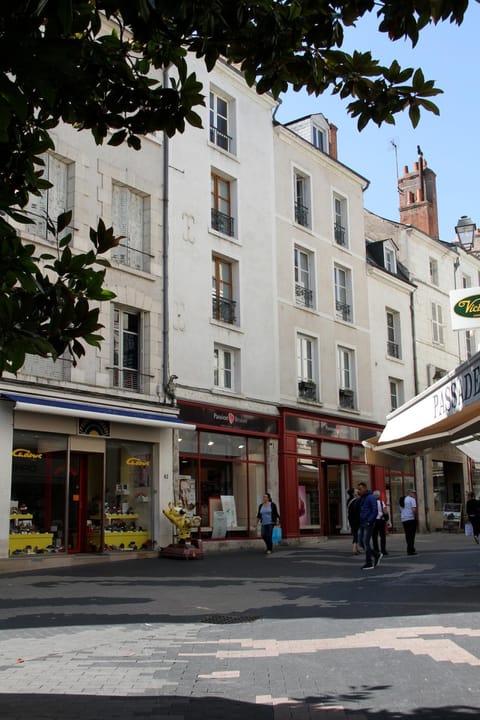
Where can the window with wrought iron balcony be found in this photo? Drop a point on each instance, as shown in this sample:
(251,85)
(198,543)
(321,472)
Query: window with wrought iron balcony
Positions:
(303,295)
(223,309)
(301,214)
(344,311)
(340,234)
(222,223)
(307,389)
(346,398)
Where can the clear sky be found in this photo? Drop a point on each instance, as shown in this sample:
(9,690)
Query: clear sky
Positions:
(450,142)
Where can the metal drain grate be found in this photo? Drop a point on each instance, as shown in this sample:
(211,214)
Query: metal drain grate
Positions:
(229,619)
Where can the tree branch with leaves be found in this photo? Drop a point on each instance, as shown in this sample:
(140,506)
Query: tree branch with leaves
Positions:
(97,65)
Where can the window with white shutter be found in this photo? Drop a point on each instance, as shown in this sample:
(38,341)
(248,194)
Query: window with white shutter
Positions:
(128,219)
(51,203)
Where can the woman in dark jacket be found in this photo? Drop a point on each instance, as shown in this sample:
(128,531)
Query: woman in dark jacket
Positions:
(269,517)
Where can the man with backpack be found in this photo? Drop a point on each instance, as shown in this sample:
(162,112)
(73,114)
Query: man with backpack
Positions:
(408,516)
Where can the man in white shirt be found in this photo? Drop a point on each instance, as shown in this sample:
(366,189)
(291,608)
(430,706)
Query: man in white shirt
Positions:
(408,517)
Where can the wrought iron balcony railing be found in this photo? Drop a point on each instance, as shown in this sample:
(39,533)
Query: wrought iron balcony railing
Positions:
(301,214)
(307,389)
(346,398)
(222,222)
(221,139)
(393,349)
(344,311)
(223,309)
(340,234)
(124,254)
(303,296)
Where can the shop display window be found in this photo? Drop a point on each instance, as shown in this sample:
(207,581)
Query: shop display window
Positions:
(224,481)
(38,493)
(127,513)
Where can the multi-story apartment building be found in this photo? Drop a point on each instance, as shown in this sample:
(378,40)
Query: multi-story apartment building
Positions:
(84,447)
(433,268)
(264,326)
(324,328)
(223,325)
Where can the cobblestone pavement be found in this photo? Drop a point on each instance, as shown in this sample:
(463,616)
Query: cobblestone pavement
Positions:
(300,635)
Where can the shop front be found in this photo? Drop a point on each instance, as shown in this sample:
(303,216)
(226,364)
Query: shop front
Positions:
(82,478)
(225,467)
(438,431)
(320,458)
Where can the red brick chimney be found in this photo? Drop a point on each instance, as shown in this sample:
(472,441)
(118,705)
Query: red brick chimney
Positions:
(418,197)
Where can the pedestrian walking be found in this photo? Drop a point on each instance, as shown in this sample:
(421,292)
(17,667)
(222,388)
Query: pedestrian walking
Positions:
(368,515)
(380,527)
(353,514)
(268,517)
(408,516)
(473,513)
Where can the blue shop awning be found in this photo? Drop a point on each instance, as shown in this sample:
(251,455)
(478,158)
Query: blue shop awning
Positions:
(112,413)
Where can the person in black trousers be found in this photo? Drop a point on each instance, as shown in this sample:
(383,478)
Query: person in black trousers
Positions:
(269,517)
(473,512)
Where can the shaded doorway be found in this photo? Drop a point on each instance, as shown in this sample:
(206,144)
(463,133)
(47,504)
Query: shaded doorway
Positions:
(85,498)
(336,483)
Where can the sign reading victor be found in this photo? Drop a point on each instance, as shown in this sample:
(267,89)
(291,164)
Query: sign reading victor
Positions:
(465,308)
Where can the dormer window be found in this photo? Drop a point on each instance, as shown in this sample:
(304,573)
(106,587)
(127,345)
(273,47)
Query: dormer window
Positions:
(390,259)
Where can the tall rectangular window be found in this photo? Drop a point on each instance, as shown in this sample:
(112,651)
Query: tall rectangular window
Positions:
(220,122)
(307,367)
(346,378)
(343,293)
(396,393)
(221,212)
(303,278)
(45,208)
(128,219)
(126,350)
(302,199)
(224,368)
(340,221)
(223,303)
(393,334)
(433,269)
(437,324)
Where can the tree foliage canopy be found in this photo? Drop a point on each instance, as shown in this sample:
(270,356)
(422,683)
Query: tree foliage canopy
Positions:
(92,63)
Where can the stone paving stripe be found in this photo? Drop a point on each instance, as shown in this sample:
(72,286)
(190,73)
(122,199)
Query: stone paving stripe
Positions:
(221,674)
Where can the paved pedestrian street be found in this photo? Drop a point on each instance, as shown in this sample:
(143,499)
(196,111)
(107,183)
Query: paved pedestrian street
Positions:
(298,635)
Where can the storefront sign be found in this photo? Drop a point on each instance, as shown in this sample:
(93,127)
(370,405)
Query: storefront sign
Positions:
(137,462)
(446,398)
(221,417)
(465,308)
(26,454)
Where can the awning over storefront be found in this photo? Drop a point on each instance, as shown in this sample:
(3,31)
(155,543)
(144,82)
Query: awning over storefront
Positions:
(112,413)
(448,411)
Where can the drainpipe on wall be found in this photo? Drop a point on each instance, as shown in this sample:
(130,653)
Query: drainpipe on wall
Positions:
(165,244)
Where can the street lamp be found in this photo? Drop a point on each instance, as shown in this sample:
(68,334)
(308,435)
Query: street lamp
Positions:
(465,229)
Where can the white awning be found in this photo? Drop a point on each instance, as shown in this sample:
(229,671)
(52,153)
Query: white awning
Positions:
(448,411)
